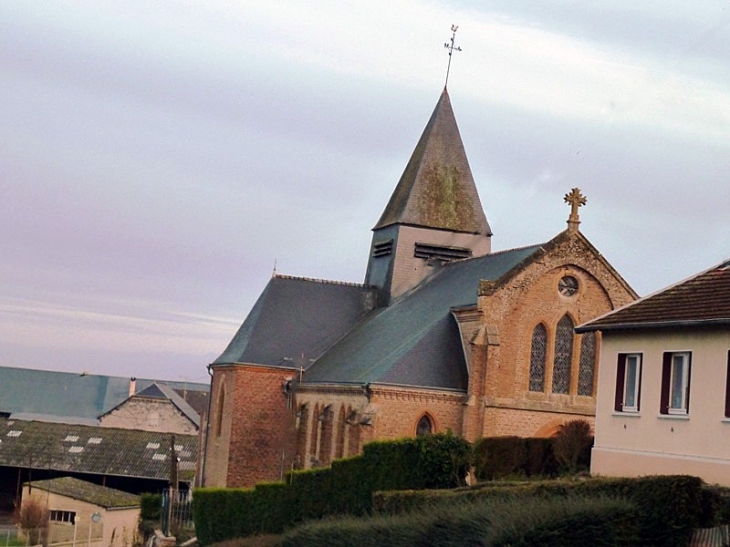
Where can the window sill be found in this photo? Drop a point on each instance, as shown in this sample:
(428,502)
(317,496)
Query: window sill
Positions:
(681,417)
(626,414)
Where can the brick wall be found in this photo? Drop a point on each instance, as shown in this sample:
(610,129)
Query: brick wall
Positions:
(252,433)
(512,311)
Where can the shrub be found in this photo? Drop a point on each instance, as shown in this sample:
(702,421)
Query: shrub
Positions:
(32,518)
(667,508)
(540,457)
(430,461)
(498,522)
(572,445)
(498,457)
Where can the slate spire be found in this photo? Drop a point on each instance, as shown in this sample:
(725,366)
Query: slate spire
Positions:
(437,189)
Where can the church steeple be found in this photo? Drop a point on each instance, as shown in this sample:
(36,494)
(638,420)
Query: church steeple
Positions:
(434,214)
(437,189)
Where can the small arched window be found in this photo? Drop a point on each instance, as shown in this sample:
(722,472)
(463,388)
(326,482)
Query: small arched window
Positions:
(221,404)
(563,355)
(425,426)
(537,358)
(587,364)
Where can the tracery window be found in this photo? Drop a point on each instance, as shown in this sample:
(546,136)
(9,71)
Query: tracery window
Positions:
(563,354)
(537,358)
(587,364)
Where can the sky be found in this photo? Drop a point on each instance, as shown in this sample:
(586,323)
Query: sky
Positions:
(159,160)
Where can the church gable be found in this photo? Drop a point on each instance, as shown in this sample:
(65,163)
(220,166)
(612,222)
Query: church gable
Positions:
(544,366)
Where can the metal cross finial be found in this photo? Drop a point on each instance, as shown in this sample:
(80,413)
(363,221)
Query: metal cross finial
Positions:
(451,48)
(576,199)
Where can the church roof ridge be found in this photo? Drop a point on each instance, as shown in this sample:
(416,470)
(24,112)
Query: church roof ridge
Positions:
(323,281)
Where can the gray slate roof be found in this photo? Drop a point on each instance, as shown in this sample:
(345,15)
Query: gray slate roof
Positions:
(95,450)
(437,189)
(295,320)
(415,341)
(71,487)
(68,397)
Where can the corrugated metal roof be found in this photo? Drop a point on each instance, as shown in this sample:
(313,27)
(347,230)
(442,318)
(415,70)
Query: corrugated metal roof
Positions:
(437,189)
(415,341)
(295,320)
(703,299)
(95,450)
(89,492)
(62,395)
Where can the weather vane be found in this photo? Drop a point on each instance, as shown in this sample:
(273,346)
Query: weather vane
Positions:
(451,48)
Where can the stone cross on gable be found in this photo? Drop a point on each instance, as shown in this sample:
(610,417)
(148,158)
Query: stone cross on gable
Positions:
(576,200)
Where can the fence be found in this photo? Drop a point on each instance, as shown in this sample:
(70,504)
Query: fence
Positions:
(9,537)
(179,514)
(711,537)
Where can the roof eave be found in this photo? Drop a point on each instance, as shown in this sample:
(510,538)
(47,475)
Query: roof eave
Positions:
(590,327)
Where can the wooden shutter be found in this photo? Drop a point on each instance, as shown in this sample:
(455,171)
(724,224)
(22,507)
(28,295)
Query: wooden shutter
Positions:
(618,405)
(727,388)
(666,380)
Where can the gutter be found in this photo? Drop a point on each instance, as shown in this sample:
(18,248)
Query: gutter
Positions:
(687,323)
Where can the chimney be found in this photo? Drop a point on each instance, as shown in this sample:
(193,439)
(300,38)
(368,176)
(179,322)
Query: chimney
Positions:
(132,385)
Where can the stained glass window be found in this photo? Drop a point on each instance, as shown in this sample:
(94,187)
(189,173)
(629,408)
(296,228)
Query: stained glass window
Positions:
(563,355)
(537,358)
(587,364)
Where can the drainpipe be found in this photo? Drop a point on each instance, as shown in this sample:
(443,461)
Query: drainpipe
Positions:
(206,430)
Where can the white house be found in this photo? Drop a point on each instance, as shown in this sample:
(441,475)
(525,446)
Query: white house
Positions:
(663,401)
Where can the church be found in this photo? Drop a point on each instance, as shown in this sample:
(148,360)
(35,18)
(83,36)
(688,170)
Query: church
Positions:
(443,335)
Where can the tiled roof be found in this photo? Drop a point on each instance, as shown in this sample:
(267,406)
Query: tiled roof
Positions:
(94,450)
(415,341)
(437,188)
(703,299)
(68,397)
(77,489)
(295,320)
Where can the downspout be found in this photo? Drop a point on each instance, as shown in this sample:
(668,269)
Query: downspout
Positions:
(206,430)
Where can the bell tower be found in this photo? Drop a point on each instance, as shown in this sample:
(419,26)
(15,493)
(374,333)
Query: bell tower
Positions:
(434,215)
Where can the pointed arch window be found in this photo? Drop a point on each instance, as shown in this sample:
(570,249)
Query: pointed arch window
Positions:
(587,364)
(221,405)
(537,358)
(425,426)
(563,355)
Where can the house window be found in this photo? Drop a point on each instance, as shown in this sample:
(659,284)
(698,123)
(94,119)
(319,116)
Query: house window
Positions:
(563,355)
(424,427)
(628,383)
(62,516)
(537,358)
(676,369)
(587,364)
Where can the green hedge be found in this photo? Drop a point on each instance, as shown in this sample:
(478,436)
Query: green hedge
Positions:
(500,457)
(668,508)
(516,522)
(149,506)
(432,461)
